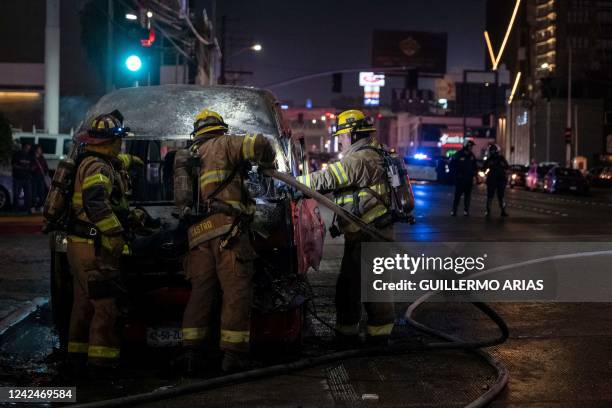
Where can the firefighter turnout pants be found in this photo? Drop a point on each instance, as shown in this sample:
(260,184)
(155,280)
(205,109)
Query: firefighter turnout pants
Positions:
(227,273)
(381,315)
(94,328)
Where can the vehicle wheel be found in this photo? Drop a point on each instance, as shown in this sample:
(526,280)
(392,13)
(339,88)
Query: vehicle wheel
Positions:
(61,296)
(5,200)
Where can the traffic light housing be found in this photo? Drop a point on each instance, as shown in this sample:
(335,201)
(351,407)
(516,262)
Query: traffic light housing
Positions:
(337,82)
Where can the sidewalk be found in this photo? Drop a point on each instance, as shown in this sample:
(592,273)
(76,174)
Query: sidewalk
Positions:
(21,224)
(24,276)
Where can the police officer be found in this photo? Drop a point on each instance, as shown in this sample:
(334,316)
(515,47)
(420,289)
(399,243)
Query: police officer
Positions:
(359,184)
(496,168)
(221,255)
(463,167)
(95,244)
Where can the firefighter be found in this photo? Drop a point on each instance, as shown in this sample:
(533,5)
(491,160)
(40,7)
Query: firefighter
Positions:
(95,244)
(463,167)
(359,184)
(220,255)
(496,168)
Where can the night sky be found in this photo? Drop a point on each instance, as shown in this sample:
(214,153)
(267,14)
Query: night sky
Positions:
(303,37)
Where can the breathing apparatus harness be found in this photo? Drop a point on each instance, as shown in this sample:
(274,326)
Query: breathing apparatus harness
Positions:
(213,205)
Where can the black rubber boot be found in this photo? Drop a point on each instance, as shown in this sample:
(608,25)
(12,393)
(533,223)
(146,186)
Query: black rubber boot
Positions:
(234,362)
(193,361)
(102,372)
(347,342)
(378,341)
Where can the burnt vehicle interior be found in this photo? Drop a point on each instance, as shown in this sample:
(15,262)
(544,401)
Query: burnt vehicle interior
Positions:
(153,273)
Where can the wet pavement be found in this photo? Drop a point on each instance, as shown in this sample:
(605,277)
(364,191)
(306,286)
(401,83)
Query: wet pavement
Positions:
(558,354)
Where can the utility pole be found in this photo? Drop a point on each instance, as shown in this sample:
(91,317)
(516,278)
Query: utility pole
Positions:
(52,66)
(568,130)
(109,46)
(223,49)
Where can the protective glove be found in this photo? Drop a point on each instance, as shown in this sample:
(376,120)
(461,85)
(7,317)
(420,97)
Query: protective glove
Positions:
(129,160)
(115,245)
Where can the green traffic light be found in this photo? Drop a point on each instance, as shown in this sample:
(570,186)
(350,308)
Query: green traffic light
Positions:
(133,63)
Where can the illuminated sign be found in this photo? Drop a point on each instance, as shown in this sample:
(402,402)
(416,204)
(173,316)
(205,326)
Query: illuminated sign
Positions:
(371,79)
(446,139)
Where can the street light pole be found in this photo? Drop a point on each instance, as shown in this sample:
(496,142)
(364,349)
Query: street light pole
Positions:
(109,46)
(223,49)
(568,141)
(52,66)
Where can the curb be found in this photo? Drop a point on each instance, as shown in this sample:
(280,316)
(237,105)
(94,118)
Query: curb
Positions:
(20,229)
(26,224)
(21,313)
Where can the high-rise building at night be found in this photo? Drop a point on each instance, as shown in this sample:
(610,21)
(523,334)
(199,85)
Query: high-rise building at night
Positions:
(546,37)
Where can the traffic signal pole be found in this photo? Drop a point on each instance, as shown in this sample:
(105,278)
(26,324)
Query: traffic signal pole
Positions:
(52,66)
(223,50)
(568,140)
(109,46)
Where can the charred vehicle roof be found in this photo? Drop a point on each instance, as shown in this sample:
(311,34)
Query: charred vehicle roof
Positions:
(168,111)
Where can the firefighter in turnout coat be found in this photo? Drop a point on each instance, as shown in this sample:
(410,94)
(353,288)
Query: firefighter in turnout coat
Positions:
(96,243)
(220,255)
(359,184)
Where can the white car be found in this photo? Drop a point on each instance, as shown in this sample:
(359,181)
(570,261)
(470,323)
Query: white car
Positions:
(421,167)
(55,147)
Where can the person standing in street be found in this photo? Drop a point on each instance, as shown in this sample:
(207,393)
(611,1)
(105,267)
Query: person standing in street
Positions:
(497,178)
(21,164)
(463,168)
(96,242)
(360,185)
(219,263)
(40,177)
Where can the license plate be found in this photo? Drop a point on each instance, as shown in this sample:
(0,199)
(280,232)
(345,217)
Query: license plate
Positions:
(573,188)
(164,336)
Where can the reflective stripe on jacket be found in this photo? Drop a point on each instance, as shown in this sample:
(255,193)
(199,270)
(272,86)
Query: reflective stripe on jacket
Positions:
(219,156)
(358,181)
(99,195)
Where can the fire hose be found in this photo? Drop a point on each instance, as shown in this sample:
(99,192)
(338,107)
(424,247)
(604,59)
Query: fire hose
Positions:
(450,342)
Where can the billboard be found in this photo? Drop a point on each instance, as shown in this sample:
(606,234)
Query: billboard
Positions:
(424,51)
(371,79)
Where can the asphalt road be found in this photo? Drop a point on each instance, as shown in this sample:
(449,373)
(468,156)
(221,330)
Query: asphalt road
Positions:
(558,354)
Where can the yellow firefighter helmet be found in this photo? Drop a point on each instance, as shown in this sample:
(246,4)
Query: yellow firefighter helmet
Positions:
(208,121)
(353,121)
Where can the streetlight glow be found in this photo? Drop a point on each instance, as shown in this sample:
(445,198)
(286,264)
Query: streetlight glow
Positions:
(149,14)
(257,47)
(544,65)
(131,16)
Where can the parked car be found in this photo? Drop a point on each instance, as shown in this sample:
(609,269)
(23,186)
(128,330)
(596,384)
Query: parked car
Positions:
(600,176)
(536,175)
(518,175)
(421,167)
(6,189)
(160,119)
(563,179)
(481,173)
(55,147)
